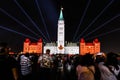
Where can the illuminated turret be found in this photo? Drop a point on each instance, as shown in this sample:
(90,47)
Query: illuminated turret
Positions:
(82,46)
(26,45)
(39,46)
(96,45)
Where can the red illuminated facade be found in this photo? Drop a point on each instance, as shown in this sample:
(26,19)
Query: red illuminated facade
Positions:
(84,47)
(92,48)
(31,47)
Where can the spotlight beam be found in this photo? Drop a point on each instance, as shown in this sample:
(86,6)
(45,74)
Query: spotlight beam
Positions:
(81,20)
(105,33)
(10,30)
(102,25)
(16,20)
(95,19)
(29,18)
(42,18)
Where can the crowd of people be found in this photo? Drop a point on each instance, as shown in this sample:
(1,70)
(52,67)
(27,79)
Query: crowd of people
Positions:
(99,66)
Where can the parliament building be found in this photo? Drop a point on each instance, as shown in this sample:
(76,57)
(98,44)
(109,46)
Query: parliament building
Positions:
(61,46)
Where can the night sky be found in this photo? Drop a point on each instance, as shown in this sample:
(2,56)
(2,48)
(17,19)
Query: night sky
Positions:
(34,19)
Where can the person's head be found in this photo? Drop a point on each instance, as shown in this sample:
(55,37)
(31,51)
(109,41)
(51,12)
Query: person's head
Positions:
(48,51)
(27,54)
(3,48)
(100,57)
(112,58)
(87,60)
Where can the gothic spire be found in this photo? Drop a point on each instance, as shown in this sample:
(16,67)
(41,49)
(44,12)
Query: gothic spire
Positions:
(61,14)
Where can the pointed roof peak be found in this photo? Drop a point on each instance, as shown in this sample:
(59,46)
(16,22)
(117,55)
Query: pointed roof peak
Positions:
(61,14)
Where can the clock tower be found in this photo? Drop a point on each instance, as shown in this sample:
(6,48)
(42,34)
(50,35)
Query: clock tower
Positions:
(61,34)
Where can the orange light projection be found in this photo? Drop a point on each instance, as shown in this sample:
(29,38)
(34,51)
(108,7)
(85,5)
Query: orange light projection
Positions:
(32,47)
(92,48)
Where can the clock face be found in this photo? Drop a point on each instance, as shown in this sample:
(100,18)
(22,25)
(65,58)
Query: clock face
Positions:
(60,41)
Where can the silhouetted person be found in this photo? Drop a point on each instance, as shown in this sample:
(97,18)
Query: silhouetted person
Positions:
(45,61)
(112,63)
(85,70)
(105,73)
(8,65)
(26,67)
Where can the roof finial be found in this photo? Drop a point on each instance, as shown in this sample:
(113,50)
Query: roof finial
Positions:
(61,14)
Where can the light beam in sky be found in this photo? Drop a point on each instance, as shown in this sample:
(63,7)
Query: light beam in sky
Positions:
(81,20)
(95,19)
(8,29)
(16,20)
(115,30)
(36,1)
(102,25)
(30,19)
